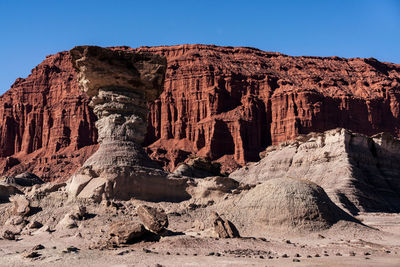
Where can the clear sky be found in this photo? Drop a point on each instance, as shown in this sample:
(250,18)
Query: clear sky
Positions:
(32,29)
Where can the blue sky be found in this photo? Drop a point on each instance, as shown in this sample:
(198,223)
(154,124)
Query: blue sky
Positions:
(30,30)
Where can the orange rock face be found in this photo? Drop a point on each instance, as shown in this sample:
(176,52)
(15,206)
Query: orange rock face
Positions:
(46,124)
(231,103)
(221,102)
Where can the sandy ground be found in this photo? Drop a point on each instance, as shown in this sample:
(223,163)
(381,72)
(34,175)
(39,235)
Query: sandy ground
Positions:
(345,244)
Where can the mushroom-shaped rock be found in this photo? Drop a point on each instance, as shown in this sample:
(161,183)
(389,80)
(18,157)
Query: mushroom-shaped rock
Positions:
(120,83)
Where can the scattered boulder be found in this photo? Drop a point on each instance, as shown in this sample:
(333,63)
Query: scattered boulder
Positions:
(71,249)
(126,232)
(79,212)
(68,222)
(8,235)
(38,247)
(41,190)
(35,225)
(224,228)
(21,205)
(155,220)
(31,254)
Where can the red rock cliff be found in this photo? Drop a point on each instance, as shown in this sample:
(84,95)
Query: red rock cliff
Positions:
(230,103)
(222,102)
(46,126)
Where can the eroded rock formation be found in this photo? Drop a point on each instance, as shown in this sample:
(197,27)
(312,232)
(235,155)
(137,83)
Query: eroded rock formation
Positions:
(358,173)
(283,203)
(231,103)
(46,126)
(120,84)
(224,103)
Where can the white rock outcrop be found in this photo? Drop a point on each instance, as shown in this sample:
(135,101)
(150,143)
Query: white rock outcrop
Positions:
(358,172)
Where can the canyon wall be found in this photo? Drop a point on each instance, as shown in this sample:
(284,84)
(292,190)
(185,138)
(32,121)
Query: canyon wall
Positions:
(225,103)
(231,103)
(46,125)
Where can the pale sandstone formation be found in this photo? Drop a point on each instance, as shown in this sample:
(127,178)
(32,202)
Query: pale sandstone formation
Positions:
(282,204)
(120,84)
(68,222)
(358,173)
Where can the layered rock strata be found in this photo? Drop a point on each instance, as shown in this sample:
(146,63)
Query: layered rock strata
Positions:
(224,103)
(230,103)
(46,127)
(359,173)
(120,83)
(283,204)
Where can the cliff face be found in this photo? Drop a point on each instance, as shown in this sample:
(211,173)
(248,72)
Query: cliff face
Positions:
(231,103)
(222,102)
(46,126)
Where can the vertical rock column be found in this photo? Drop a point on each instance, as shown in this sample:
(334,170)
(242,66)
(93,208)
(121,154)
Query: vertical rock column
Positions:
(120,84)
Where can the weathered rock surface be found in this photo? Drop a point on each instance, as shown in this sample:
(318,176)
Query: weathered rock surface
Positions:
(224,228)
(120,84)
(231,103)
(222,102)
(68,222)
(289,204)
(359,173)
(21,205)
(127,232)
(46,124)
(155,220)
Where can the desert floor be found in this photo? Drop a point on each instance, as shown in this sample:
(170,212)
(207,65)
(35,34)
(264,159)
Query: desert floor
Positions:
(345,244)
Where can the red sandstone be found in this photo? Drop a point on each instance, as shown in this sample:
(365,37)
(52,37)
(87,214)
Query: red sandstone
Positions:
(225,103)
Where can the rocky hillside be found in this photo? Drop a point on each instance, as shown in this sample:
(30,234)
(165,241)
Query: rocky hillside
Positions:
(359,173)
(225,103)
